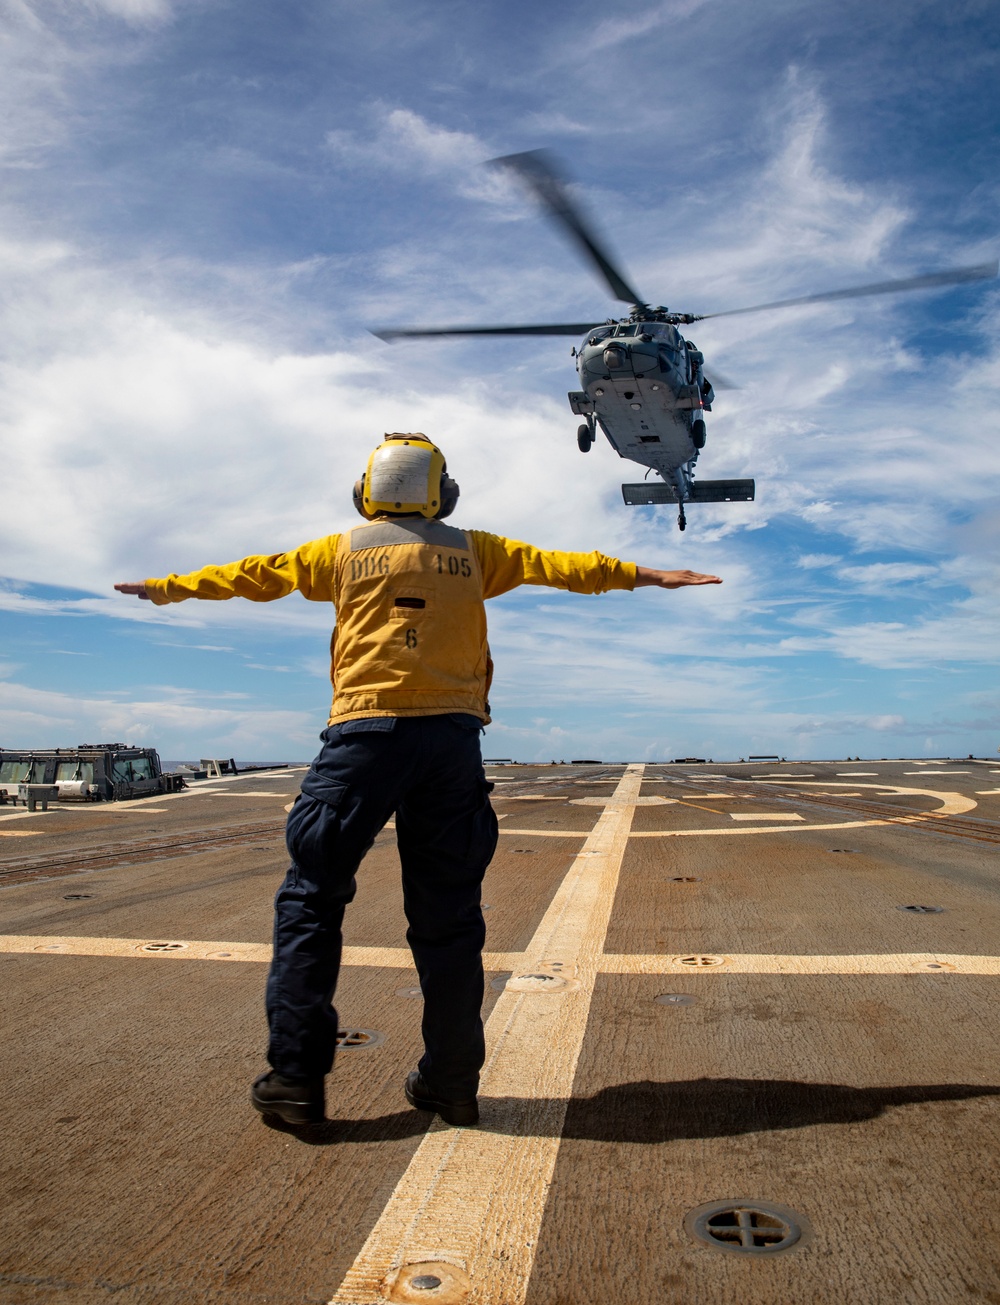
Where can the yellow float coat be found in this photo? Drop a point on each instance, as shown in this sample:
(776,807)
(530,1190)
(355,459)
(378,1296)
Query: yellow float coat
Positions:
(410,638)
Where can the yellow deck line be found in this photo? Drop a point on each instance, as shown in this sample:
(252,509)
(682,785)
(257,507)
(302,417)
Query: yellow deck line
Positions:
(399,958)
(475,1199)
(744,830)
(166,948)
(751,963)
(614,963)
(546,833)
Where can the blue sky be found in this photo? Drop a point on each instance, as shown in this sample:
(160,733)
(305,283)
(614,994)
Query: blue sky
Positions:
(205,204)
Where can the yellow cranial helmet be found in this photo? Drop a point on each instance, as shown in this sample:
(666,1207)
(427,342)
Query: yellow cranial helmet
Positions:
(406,474)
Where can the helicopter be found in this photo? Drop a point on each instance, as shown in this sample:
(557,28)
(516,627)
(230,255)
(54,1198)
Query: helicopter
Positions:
(641,380)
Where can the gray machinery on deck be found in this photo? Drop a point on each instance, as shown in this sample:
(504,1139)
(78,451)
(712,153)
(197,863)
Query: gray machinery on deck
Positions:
(92,772)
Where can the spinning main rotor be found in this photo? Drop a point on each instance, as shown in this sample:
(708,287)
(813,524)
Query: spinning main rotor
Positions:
(538,169)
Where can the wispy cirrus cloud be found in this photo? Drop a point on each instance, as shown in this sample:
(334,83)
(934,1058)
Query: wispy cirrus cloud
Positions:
(401,140)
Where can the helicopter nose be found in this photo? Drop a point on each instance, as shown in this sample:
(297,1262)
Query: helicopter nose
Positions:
(615,357)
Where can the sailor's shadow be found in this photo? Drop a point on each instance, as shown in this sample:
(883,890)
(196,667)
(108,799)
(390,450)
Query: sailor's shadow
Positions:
(728,1107)
(663,1112)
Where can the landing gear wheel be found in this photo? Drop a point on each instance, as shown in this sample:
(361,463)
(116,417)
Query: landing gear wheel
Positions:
(681,519)
(698,434)
(584,438)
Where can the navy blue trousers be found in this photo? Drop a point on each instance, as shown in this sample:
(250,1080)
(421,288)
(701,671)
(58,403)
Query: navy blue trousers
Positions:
(428,770)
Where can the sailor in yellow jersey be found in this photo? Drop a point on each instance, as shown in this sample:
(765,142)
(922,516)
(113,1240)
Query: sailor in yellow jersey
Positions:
(411,671)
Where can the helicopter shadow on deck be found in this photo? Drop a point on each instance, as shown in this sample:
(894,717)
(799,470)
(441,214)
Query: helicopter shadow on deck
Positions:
(651,1112)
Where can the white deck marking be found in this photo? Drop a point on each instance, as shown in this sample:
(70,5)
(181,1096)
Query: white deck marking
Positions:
(29,815)
(764,815)
(476,1198)
(857,774)
(937,772)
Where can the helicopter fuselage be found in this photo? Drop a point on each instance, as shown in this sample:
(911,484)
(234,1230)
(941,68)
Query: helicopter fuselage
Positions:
(643,384)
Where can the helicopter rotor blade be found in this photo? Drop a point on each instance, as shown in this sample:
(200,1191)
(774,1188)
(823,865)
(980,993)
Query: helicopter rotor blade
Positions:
(556,328)
(537,168)
(718,381)
(955,276)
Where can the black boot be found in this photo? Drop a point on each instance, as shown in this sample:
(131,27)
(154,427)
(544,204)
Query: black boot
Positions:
(295,1100)
(459,1113)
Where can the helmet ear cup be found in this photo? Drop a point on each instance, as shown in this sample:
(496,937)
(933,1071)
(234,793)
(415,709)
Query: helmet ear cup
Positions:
(449,498)
(358,497)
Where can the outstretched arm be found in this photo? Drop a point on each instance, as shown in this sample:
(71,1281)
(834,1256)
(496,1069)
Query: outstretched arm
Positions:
(308,569)
(645,575)
(508,563)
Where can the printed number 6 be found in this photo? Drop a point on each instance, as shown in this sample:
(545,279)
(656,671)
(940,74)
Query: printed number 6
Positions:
(411,638)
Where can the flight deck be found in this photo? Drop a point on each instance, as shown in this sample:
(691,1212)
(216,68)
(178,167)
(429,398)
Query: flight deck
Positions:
(742,1025)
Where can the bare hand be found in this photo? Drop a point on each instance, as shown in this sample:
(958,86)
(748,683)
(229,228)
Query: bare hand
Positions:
(645,575)
(138,589)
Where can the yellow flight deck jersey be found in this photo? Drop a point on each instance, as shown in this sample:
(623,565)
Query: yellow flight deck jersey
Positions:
(410,638)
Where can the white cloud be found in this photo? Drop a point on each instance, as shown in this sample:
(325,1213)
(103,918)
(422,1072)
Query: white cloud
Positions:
(178,723)
(877,577)
(139,12)
(401,140)
(627,26)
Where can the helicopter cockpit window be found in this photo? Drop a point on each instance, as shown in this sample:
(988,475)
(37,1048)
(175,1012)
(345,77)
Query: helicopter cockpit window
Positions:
(602,333)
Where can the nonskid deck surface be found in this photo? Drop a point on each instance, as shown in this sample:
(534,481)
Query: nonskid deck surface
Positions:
(707,983)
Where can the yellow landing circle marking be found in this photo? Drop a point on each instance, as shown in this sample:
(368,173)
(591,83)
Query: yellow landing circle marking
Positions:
(953,804)
(764,815)
(746,830)
(20,833)
(476,1198)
